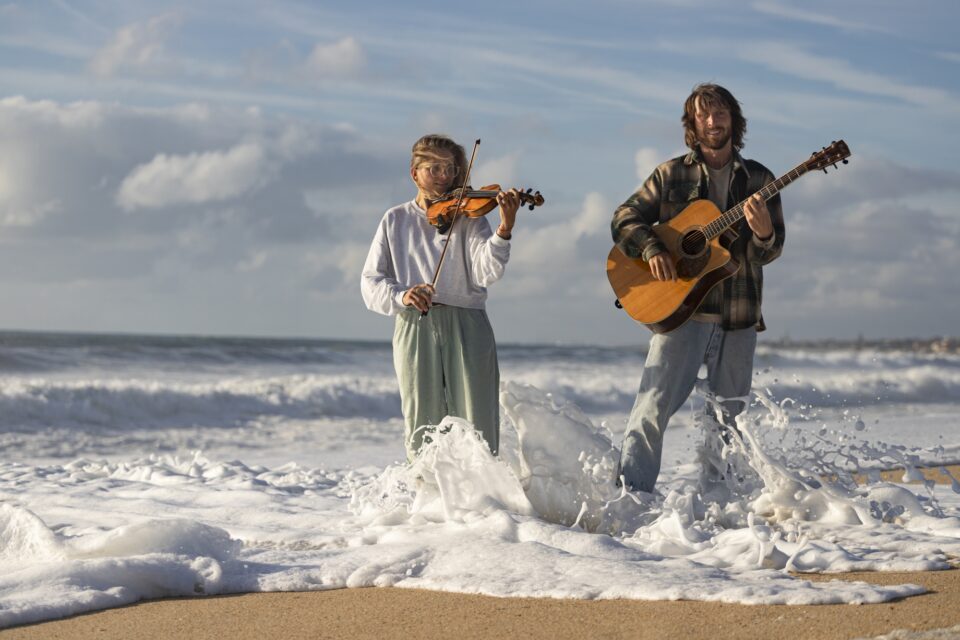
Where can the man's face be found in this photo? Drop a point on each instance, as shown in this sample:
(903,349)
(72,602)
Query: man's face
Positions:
(713,124)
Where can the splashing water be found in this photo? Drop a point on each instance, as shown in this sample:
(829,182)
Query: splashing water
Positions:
(758,510)
(545,519)
(454,475)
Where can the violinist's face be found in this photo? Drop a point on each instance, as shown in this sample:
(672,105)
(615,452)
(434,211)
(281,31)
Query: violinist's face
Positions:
(430,175)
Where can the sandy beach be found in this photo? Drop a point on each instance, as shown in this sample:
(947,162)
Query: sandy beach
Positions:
(410,613)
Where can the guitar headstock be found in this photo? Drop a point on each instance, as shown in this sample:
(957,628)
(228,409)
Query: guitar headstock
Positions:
(838,151)
(531,199)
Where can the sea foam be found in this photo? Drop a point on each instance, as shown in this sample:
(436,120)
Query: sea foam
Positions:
(108,501)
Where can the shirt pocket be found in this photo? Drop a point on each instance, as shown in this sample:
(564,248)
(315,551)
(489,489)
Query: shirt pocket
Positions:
(679,195)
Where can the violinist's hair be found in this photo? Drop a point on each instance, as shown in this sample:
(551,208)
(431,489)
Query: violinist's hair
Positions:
(426,148)
(712,95)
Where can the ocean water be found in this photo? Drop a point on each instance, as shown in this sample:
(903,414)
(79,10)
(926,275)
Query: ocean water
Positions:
(137,467)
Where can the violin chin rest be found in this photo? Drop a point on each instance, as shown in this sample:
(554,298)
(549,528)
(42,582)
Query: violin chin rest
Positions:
(442,223)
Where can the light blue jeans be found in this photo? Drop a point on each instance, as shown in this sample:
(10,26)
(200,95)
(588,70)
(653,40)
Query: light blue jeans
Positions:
(669,375)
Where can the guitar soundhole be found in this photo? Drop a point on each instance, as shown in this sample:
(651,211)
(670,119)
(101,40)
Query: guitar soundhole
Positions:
(693,243)
(694,253)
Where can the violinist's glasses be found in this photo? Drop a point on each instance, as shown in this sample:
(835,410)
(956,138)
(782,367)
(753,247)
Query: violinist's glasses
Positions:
(438,170)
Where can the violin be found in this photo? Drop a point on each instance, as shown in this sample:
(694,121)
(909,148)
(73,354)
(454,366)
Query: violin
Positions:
(475,204)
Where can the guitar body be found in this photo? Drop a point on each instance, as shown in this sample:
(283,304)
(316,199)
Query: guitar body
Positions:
(701,264)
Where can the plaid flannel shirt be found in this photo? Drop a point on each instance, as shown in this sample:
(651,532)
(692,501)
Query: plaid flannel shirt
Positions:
(668,191)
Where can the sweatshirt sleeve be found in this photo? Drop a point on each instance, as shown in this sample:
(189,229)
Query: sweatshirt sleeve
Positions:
(488,252)
(378,283)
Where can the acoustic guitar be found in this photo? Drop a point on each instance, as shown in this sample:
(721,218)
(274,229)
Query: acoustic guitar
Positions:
(693,239)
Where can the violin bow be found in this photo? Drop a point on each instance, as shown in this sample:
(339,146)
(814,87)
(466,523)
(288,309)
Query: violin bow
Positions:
(453,220)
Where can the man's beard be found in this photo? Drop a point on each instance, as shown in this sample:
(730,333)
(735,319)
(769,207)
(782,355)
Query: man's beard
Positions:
(720,143)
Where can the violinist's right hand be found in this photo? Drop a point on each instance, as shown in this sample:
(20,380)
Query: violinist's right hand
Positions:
(662,267)
(419,296)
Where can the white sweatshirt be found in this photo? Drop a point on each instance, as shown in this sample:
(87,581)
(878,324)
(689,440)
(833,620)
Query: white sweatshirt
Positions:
(405,252)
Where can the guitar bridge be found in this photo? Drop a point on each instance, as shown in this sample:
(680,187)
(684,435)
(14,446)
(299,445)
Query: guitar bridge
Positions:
(691,267)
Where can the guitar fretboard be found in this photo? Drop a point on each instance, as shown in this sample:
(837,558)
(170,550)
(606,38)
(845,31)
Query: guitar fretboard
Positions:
(735,214)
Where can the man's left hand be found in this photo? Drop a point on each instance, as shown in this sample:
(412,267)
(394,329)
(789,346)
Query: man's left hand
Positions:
(758,217)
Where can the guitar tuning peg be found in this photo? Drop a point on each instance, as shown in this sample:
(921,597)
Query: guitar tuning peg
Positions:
(530,207)
(825,170)
(846,162)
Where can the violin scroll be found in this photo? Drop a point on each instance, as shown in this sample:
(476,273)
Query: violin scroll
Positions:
(534,199)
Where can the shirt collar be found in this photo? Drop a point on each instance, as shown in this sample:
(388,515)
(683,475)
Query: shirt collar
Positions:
(695,157)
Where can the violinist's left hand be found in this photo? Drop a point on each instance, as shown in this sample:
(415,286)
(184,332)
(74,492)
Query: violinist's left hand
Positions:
(509,202)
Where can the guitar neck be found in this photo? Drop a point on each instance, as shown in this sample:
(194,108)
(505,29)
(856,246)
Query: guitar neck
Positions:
(733,215)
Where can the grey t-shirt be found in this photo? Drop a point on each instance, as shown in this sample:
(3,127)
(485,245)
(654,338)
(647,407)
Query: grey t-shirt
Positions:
(711,309)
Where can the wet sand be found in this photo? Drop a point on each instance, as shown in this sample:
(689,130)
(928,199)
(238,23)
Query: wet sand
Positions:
(427,615)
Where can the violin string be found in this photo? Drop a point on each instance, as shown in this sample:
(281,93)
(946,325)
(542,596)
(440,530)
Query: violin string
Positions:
(456,214)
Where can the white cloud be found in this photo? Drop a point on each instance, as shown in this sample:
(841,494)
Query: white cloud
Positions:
(69,172)
(502,171)
(12,215)
(794,60)
(594,217)
(138,46)
(792,13)
(194,178)
(646,160)
(253,262)
(78,116)
(344,58)
(950,56)
(6,186)
(877,261)
(601,84)
(547,241)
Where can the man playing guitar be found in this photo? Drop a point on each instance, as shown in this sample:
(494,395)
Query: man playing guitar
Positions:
(722,332)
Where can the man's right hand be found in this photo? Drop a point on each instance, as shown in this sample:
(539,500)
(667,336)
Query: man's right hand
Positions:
(661,266)
(419,296)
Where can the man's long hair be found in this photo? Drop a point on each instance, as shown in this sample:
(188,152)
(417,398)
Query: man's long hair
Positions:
(709,96)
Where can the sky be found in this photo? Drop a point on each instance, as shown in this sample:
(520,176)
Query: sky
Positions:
(219,168)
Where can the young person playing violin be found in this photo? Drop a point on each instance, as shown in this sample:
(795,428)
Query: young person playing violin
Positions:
(444,351)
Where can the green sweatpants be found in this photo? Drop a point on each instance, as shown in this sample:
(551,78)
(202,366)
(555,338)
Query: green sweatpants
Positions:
(446,364)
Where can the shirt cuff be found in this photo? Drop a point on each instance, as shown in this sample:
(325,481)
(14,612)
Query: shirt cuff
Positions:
(765,244)
(499,240)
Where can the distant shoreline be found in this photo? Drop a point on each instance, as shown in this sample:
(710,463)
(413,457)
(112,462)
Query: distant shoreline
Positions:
(15,337)
(917,345)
